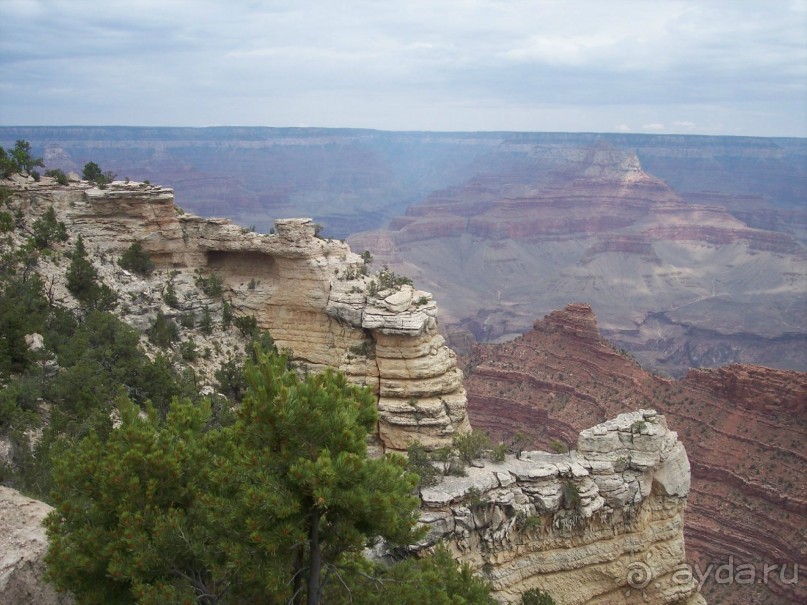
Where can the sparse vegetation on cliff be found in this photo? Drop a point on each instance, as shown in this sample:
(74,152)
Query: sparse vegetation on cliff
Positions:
(212,285)
(136,260)
(275,507)
(84,283)
(59,175)
(536,596)
(18,160)
(93,173)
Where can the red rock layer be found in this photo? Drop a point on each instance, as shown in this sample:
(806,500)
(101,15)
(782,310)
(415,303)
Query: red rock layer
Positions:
(744,427)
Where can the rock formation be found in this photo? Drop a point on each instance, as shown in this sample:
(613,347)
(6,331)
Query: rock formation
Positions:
(677,281)
(580,525)
(22,547)
(315,297)
(703,281)
(743,426)
(601,524)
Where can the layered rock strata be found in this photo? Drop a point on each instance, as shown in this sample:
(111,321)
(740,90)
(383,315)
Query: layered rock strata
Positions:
(680,281)
(743,426)
(601,524)
(579,525)
(314,296)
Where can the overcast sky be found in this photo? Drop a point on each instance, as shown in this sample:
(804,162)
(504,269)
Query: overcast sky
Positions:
(735,67)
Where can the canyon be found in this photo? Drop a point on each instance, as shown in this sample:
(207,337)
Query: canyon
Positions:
(677,282)
(579,523)
(744,428)
(690,248)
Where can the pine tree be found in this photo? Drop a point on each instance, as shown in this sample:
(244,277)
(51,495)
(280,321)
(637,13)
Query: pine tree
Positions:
(125,528)
(267,510)
(84,283)
(311,435)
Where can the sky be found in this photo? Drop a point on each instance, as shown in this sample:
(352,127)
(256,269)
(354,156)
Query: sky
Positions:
(727,67)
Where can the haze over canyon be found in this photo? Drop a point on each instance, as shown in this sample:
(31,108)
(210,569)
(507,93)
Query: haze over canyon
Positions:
(690,249)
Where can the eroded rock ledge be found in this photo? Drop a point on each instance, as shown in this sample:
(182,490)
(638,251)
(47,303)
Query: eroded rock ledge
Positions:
(317,299)
(601,524)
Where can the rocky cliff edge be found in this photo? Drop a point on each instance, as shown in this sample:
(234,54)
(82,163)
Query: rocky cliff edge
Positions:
(601,524)
(321,302)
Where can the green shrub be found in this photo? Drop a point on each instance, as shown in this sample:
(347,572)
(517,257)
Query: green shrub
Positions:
(470,445)
(499,452)
(388,279)
(6,222)
(231,380)
(246,324)
(420,462)
(226,315)
(558,447)
(59,175)
(47,230)
(188,350)
(93,173)
(136,260)
(163,331)
(170,296)
(536,596)
(83,281)
(206,323)
(212,285)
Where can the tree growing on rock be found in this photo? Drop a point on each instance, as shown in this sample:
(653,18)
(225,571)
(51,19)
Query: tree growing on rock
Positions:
(136,260)
(275,508)
(92,172)
(18,159)
(311,435)
(84,283)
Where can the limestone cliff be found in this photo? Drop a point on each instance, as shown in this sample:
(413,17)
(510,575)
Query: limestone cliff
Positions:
(601,524)
(315,297)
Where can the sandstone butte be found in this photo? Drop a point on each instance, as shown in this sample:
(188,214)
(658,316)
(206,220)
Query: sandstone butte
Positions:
(602,523)
(743,426)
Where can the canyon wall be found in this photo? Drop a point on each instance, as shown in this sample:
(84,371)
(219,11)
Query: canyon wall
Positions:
(584,525)
(690,248)
(315,297)
(679,280)
(744,427)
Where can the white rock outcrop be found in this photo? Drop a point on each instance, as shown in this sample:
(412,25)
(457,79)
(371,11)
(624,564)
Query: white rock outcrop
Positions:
(601,524)
(23,545)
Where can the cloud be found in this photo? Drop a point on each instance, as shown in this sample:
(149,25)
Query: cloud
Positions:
(684,125)
(471,64)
